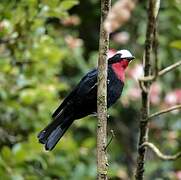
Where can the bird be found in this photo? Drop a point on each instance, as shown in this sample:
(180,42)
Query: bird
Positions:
(82,100)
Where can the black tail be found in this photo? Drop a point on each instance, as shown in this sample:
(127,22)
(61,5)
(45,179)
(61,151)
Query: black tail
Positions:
(54,131)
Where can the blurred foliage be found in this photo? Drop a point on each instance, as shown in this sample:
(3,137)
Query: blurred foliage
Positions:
(45,48)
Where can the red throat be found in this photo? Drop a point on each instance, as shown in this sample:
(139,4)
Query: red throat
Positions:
(119,69)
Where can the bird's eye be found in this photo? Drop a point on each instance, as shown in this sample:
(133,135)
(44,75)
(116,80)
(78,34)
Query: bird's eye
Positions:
(118,56)
(115,58)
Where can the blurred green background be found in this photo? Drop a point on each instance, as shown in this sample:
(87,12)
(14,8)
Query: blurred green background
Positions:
(45,48)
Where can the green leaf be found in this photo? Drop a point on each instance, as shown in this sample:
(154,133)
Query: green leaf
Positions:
(20,154)
(176,44)
(67,4)
(6,153)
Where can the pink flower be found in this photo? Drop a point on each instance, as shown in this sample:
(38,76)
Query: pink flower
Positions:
(136,72)
(73,42)
(155,93)
(178,175)
(121,37)
(71,21)
(111,52)
(173,97)
(119,14)
(134,93)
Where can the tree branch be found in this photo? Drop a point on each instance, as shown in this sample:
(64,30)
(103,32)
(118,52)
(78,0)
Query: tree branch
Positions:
(155,50)
(102,164)
(145,86)
(145,82)
(162,72)
(164,111)
(159,153)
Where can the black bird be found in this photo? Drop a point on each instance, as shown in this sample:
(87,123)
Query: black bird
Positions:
(82,101)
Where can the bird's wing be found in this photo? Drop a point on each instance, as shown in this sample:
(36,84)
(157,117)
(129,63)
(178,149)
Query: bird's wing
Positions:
(64,104)
(87,83)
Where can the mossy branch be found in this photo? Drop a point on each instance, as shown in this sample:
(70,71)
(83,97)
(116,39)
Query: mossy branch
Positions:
(102,164)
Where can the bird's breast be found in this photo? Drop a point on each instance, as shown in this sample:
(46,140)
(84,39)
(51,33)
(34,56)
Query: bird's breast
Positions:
(119,69)
(114,88)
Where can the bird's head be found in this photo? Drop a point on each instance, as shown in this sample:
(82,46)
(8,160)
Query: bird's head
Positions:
(120,61)
(123,57)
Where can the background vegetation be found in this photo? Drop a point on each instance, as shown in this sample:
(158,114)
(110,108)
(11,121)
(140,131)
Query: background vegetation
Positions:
(45,48)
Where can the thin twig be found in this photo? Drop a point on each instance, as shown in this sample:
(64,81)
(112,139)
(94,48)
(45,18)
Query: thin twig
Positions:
(169,68)
(112,136)
(165,111)
(162,72)
(142,86)
(159,153)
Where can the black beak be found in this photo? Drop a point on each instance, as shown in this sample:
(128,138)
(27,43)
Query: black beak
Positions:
(130,58)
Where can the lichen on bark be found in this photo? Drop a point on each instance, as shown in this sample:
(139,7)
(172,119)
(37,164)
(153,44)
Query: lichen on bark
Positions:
(102,164)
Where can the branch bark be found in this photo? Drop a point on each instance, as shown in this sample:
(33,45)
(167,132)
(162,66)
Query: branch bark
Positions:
(162,72)
(151,26)
(160,154)
(145,83)
(102,163)
(165,111)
